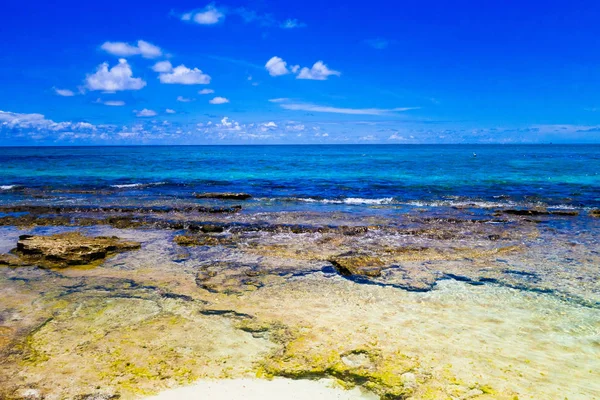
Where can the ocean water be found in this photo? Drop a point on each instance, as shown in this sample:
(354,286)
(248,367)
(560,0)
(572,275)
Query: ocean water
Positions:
(306,177)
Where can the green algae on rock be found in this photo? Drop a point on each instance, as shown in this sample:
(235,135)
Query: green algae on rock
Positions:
(66,249)
(353,263)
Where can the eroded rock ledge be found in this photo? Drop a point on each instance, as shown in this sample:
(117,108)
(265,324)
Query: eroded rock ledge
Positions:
(64,250)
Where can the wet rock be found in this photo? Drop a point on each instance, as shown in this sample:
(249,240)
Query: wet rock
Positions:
(10,261)
(66,249)
(595,213)
(202,240)
(98,396)
(353,263)
(209,228)
(223,196)
(232,277)
(528,212)
(565,213)
(46,210)
(538,212)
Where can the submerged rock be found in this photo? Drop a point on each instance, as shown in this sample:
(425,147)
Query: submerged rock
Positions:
(66,249)
(10,260)
(595,213)
(202,240)
(541,211)
(353,263)
(223,196)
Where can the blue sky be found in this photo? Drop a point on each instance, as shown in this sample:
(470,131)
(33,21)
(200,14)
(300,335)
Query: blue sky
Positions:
(266,71)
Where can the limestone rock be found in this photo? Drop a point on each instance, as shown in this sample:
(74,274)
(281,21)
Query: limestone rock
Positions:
(353,263)
(66,249)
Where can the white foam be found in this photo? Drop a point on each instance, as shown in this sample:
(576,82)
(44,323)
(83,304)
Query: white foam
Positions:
(259,389)
(7,187)
(134,185)
(349,200)
(358,200)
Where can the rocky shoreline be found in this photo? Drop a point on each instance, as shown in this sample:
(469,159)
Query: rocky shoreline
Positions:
(156,277)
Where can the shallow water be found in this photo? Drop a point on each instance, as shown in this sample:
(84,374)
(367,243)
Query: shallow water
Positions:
(471,298)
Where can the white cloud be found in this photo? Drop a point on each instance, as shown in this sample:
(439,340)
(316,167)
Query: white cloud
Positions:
(219,100)
(38,122)
(183,75)
(292,23)
(145,113)
(229,125)
(64,92)
(210,15)
(338,110)
(114,103)
(122,49)
(170,111)
(296,127)
(279,100)
(119,77)
(268,126)
(162,66)
(319,72)
(276,66)
(184,99)
(206,91)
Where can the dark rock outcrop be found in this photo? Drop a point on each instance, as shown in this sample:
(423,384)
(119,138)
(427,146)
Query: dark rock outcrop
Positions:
(223,196)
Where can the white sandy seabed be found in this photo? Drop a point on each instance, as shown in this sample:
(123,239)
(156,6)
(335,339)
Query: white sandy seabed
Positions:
(259,389)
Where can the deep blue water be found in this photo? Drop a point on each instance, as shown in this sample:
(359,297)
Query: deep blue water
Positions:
(555,175)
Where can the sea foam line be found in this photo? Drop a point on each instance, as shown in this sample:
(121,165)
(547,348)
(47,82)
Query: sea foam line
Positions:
(134,185)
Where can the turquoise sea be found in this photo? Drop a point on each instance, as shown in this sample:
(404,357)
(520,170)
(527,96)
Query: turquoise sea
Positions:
(290,177)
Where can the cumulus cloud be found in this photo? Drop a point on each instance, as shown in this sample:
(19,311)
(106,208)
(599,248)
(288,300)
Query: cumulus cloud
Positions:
(184,99)
(64,92)
(228,124)
(276,66)
(162,66)
(219,100)
(206,91)
(181,74)
(319,72)
(145,113)
(120,77)
(170,111)
(291,24)
(122,49)
(268,126)
(209,15)
(339,110)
